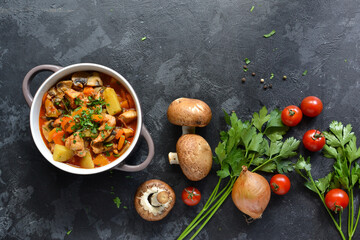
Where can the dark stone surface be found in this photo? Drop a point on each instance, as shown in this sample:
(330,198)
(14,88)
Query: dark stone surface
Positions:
(193,49)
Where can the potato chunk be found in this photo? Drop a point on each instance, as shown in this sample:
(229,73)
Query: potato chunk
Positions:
(112,103)
(62,153)
(87,162)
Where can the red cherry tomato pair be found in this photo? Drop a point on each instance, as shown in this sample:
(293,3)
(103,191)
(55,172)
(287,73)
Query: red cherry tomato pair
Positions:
(310,106)
(280,184)
(191,196)
(291,116)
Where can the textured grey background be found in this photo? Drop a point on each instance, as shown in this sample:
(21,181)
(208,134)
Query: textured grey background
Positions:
(193,49)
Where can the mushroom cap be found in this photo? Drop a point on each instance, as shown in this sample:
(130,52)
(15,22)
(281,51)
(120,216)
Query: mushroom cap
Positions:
(189,112)
(195,156)
(150,186)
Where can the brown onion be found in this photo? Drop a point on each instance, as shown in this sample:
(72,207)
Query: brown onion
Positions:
(251,193)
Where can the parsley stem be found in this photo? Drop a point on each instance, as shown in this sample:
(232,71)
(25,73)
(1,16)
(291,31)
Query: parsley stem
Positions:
(251,160)
(266,162)
(327,209)
(356,223)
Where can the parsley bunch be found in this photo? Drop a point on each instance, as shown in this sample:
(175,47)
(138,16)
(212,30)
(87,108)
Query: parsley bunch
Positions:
(340,146)
(258,143)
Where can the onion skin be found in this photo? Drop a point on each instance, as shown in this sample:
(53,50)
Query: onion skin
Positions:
(251,193)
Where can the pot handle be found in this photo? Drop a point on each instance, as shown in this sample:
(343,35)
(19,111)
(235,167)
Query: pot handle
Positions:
(135,168)
(30,75)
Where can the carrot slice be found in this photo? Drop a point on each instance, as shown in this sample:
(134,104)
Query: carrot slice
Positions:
(122,93)
(51,134)
(67,123)
(124,104)
(121,142)
(57,137)
(97,118)
(119,133)
(88,91)
(44,98)
(100,160)
(79,111)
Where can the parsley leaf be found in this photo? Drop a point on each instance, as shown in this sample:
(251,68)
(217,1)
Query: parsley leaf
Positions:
(305,72)
(117,202)
(270,34)
(260,118)
(271,76)
(275,128)
(252,8)
(247,61)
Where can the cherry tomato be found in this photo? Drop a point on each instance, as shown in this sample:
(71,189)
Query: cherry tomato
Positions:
(280,184)
(311,106)
(336,200)
(191,196)
(313,140)
(291,115)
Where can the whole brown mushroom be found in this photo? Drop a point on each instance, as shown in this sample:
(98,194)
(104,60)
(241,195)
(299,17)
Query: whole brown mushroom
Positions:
(154,199)
(194,155)
(189,113)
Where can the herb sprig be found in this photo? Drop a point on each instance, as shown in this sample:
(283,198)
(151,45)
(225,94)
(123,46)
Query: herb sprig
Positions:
(340,146)
(258,143)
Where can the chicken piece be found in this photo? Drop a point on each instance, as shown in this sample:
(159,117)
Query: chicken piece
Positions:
(97,147)
(50,109)
(128,132)
(76,143)
(71,95)
(106,127)
(128,116)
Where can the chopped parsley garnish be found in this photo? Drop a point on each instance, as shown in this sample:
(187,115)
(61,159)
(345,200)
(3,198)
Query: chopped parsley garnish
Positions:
(107,127)
(143,38)
(68,232)
(117,202)
(247,61)
(77,101)
(74,141)
(58,129)
(304,73)
(108,144)
(95,102)
(125,207)
(107,153)
(252,8)
(270,34)
(271,75)
(116,155)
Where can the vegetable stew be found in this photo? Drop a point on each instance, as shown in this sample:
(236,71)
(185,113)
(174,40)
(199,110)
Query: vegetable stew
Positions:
(87,120)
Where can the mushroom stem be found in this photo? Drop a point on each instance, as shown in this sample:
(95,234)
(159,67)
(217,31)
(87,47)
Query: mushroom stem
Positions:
(158,199)
(173,158)
(188,130)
